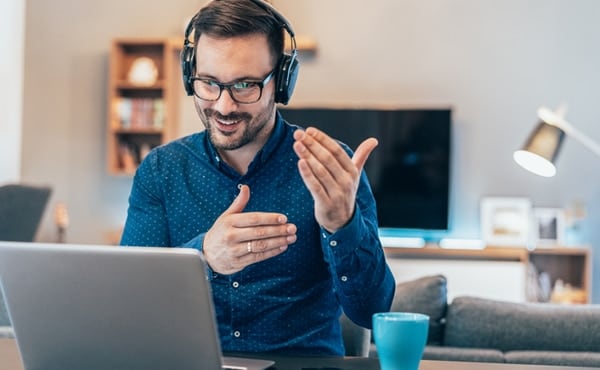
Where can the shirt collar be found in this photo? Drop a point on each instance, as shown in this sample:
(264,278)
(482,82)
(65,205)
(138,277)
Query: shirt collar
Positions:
(272,143)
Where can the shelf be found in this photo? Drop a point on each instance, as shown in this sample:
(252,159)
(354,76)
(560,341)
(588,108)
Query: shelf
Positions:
(435,252)
(303,43)
(126,85)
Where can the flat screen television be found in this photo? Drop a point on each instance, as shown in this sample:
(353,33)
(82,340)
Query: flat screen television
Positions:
(409,171)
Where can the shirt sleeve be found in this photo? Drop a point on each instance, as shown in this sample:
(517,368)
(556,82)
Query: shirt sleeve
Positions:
(362,279)
(146,223)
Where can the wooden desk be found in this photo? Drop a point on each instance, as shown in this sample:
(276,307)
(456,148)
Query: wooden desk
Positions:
(9,355)
(10,360)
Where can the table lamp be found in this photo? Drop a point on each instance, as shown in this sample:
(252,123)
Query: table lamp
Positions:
(541,149)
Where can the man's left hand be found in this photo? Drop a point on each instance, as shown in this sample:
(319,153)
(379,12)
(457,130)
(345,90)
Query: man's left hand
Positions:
(331,176)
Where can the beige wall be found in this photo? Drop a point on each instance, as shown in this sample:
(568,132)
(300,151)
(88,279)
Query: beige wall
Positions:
(495,62)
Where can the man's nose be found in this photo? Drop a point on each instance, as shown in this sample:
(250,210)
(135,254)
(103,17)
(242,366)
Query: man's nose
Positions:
(225,104)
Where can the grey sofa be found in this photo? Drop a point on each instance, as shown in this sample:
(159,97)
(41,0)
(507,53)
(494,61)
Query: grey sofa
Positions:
(484,330)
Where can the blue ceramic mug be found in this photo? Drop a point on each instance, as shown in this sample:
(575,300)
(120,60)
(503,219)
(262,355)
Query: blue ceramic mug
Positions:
(400,339)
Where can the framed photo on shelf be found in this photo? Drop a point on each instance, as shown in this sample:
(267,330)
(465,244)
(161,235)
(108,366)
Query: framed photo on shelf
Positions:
(549,226)
(506,221)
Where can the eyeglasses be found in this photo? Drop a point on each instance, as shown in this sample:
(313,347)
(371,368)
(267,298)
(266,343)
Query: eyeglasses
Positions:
(244,92)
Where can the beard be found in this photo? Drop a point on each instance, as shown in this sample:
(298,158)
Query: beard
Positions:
(250,127)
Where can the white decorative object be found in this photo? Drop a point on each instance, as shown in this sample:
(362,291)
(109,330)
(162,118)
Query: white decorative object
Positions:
(506,221)
(143,72)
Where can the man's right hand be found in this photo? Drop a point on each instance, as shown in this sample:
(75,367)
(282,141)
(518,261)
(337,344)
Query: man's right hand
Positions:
(238,239)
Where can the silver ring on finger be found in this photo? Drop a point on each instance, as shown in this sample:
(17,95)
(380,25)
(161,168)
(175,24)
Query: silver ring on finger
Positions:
(249,247)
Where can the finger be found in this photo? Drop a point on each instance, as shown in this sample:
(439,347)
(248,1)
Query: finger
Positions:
(240,202)
(250,219)
(264,234)
(363,152)
(318,174)
(315,176)
(263,245)
(321,167)
(251,258)
(328,151)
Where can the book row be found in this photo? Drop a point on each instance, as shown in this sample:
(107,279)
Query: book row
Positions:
(140,112)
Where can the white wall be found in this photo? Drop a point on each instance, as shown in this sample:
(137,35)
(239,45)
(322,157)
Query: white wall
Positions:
(495,62)
(500,280)
(12,16)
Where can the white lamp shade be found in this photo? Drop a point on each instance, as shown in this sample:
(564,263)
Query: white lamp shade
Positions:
(541,150)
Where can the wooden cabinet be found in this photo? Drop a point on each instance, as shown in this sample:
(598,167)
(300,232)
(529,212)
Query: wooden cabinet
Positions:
(142,114)
(568,270)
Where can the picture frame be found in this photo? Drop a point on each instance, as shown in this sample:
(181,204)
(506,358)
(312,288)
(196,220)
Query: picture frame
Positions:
(549,226)
(506,221)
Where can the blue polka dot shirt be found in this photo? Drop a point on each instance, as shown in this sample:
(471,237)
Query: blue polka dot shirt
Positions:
(292,302)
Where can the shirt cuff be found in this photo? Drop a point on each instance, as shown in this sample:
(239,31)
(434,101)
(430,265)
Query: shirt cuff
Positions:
(197,243)
(345,239)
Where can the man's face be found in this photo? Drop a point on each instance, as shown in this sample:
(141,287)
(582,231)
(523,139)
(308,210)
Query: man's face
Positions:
(232,125)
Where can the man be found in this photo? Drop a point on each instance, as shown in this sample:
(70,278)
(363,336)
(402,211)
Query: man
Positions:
(285,218)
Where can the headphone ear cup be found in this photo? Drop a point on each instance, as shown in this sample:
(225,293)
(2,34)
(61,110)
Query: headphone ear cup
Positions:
(187,68)
(287,73)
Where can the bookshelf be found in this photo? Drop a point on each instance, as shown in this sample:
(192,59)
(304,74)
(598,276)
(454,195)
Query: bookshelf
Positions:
(142,114)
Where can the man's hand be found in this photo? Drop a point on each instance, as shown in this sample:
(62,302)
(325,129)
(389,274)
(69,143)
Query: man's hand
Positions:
(238,239)
(331,176)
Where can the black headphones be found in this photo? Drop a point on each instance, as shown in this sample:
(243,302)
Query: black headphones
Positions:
(286,71)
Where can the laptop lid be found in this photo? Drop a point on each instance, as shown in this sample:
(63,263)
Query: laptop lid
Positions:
(105,307)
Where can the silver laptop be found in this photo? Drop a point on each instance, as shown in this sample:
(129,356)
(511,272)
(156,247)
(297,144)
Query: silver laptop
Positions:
(105,307)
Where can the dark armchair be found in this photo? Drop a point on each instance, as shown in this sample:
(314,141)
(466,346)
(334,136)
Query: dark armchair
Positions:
(21,210)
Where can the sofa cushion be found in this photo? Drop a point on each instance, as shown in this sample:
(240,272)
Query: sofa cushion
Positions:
(587,359)
(439,353)
(426,295)
(508,326)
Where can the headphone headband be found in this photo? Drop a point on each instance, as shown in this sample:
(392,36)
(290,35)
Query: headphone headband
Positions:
(286,71)
(276,14)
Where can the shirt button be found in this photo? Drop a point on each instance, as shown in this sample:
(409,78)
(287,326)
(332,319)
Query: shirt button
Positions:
(333,243)
(235,284)
(237,334)
(344,278)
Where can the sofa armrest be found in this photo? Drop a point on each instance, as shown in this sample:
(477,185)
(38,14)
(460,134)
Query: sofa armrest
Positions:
(426,295)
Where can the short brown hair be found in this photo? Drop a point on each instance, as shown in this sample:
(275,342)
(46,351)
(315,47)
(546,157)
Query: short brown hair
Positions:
(231,18)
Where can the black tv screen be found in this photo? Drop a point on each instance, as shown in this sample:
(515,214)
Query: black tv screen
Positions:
(409,171)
